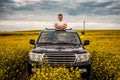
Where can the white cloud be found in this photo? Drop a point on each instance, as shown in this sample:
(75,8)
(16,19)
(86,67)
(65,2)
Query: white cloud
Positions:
(26,0)
(38,13)
(21,3)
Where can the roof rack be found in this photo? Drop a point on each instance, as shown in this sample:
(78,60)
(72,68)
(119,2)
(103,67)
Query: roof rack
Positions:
(56,29)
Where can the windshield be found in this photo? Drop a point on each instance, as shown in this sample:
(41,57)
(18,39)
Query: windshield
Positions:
(59,37)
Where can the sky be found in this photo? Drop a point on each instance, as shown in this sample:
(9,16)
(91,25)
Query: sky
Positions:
(38,14)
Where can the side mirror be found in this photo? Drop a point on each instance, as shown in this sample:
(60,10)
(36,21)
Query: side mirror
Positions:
(86,42)
(32,41)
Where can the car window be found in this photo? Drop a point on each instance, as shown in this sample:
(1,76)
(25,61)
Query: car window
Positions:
(46,37)
(59,37)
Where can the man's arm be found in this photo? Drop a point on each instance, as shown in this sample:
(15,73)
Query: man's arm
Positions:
(64,26)
(56,26)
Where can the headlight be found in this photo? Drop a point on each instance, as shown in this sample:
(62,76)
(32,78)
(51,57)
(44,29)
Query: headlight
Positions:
(82,57)
(36,56)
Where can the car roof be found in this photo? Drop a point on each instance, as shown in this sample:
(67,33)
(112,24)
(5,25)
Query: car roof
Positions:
(67,30)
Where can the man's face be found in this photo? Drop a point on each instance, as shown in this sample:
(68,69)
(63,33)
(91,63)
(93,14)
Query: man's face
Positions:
(60,18)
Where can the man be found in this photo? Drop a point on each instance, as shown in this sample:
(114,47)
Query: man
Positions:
(60,24)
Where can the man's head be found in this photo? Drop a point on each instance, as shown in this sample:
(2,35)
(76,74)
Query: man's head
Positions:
(60,17)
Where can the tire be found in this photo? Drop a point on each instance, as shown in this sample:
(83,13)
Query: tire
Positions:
(86,75)
(29,69)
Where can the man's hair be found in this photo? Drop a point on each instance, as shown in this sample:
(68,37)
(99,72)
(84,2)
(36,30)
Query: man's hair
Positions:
(60,15)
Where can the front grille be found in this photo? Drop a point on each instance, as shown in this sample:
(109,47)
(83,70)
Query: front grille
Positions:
(59,58)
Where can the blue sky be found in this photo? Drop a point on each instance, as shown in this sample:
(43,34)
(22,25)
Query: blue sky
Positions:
(38,14)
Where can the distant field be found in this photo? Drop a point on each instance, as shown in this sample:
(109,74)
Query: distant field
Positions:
(104,49)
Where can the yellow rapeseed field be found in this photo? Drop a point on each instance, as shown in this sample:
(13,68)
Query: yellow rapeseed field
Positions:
(104,49)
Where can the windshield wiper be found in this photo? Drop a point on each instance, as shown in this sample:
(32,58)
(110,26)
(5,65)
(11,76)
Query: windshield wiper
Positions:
(69,43)
(46,43)
(60,43)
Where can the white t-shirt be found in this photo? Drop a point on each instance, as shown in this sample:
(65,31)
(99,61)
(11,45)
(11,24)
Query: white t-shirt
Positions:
(60,23)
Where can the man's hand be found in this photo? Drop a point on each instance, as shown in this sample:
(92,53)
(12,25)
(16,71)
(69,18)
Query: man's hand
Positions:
(56,26)
(63,26)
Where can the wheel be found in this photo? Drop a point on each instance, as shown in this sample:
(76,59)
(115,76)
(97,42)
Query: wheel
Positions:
(29,69)
(86,75)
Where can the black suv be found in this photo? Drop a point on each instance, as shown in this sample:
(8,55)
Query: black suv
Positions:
(61,47)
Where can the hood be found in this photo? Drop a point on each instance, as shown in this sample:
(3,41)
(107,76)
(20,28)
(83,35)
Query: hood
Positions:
(58,46)
(47,50)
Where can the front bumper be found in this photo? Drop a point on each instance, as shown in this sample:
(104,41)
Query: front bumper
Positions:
(78,64)
(83,66)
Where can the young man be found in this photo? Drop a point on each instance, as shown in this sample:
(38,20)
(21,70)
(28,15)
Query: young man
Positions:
(60,24)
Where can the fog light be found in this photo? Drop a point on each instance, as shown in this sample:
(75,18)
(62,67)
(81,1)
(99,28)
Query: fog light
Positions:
(83,70)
